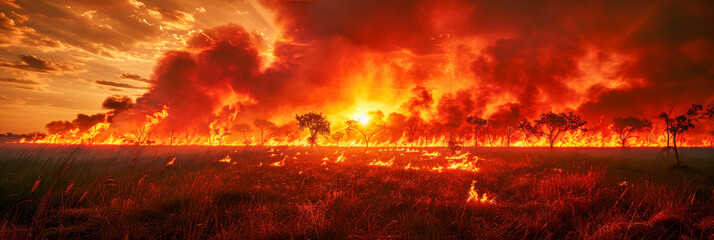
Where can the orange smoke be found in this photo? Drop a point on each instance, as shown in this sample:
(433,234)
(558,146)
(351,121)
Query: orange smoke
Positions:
(421,67)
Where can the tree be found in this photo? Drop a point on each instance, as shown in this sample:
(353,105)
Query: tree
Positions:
(479,124)
(264,126)
(556,123)
(337,137)
(676,124)
(414,125)
(368,131)
(244,128)
(624,127)
(431,131)
(316,123)
(711,139)
(508,131)
(528,130)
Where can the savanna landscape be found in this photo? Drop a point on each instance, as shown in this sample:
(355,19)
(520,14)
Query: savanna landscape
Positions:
(210,192)
(356,119)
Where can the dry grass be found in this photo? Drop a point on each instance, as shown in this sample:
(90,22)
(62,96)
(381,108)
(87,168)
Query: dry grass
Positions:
(120,192)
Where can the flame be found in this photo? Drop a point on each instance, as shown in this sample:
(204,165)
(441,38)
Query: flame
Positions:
(173,160)
(226,159)
(218,133)
(475,198)
(383,164)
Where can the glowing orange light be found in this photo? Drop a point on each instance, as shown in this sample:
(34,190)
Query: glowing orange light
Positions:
(362,118)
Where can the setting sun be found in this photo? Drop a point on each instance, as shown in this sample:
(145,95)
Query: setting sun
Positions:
(362,118)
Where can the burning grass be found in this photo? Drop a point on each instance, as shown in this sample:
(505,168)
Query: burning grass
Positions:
(140,192)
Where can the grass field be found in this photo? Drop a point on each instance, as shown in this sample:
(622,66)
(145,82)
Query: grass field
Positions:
(162,192)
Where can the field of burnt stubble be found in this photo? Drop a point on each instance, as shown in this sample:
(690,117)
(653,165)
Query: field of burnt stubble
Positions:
(202,192)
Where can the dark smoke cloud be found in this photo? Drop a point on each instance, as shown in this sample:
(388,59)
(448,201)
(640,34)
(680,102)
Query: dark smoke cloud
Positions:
(454,108)
(118,103)
(421,101)
(116,84)
(505,60)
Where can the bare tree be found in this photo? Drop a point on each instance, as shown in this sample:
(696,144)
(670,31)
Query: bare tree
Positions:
(414,125)
(479,124)
(316,123)
(368,131)
(337,137)
(556,123)
(624,127)
(528,130)
(244,129)
(264,126)
(509,130)
(676,124)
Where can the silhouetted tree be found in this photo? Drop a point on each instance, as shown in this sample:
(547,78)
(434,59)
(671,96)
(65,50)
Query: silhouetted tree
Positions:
(711,139)
(508,131)
(264,126)
(414,125)
(218,133)
(368,131)
(431,131)
(676,124)
(478,123)
(556,123)
(244,129)
(624,127)
(337,137)
(316,123)
(528,130)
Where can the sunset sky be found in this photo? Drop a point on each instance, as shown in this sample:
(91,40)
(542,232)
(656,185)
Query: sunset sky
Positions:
(441,59)
(60,58)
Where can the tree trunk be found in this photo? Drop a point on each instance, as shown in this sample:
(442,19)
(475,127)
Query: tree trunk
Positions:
(676,153)
(623,141)
(476,138)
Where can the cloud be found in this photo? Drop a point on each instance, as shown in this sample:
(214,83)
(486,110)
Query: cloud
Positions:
(173,19)
(24,84)
(116,84)
(117,103)
(135,77)
(109,28)
(500,59)
(35,64)
(18,81)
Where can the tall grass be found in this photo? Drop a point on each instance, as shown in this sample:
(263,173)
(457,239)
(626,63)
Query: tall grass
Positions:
(129,192)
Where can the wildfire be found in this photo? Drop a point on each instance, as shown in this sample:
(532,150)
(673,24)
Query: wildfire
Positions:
(150,132)
(340,158)
(384,164)
(431,154)
(226,159)
(464,165)
(172,161)
(278,164)
(475,198)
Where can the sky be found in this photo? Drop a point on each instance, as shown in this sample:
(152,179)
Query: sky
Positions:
(61,58)
(441,60)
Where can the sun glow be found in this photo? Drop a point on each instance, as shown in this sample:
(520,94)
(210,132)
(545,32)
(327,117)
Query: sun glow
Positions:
(362,118)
